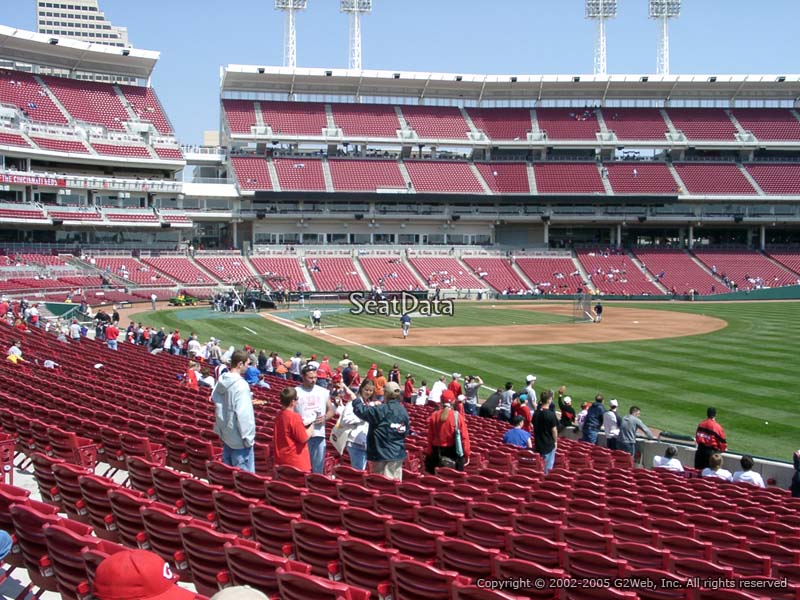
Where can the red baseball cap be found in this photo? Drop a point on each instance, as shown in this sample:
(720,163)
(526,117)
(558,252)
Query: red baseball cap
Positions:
(137,575)
(448,396)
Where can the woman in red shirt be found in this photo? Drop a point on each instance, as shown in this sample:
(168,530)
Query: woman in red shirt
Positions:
(408,389)
(519,406)
(291,434)
(442,436)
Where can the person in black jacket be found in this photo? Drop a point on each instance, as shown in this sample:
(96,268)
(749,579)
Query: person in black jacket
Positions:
(796,479)
(388,428)
(489,408)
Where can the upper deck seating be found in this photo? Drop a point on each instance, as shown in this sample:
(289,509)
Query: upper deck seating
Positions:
(251,172)
(389,273)
(82,214)
(552,275)
(294,118)
(443,177)
(230,269)
(12,139)
(437,122)
(445,272)
(89,101)
(497,273)
(505,177)
(282,272)
(122,150)
(502,123)
(748,269)
(334,274)
(241,115)
(131,215)
(366,120)
(23,91)
(147,107)
(365,175)
(775,178)
(641,178)
(614,273)
(568,123)
(302,174)
(169,152)
(61,145)
(180,268)
(714,179)
(769,124)
(568,178)
(703,123)
(676,271)
(636,123)
(26,212)
(43,259)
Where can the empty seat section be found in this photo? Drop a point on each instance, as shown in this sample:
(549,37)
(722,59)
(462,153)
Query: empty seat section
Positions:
(502,123)
(251,172)
(294,118)
(283,273)
(641,178)
(59,145)
(89,101)
(43,259)
(24,212)
(365,175)
(444,177)
(615,273)
(552,275)
(174,217)
(389,273)
(636,123)
(367,120)
(439,122)
(703,123)
(776,179)
(133,270)
(169,152)
(497,273)
(230,269)
(791,260)
(123,151)
(334,274)
(302,174)
(680,272)
(147,107)
(180,269)
(505,178)
(241,115)
(75,215)
(23,91)
(12,139)
(568,123)
(777,124)
(568,178)
(749,269)
(713,178)
(445,273)
(130,215)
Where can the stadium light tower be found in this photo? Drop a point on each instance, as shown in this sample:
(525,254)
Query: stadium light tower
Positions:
(355,8)
(289,34)
(664,10)
(599,11)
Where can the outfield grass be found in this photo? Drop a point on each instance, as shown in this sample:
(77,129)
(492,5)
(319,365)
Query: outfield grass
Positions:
(748,370)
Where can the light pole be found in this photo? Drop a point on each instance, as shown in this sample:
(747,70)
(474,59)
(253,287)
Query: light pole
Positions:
(289,34)
(355,8)
(663,11)
(599,11)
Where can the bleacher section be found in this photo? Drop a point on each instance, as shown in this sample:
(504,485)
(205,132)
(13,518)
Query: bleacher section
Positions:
(769,124)
(294,118)
(748,269)
(241,115)
(61,145)
(43,259)
(23,91)
(502,123)
(791,260)
(334,274)
(251,172)
(568,123)
(641,178)
(365,175)
(300,174)
(703,123)
(568,178)
(776,178)
(366,120)
(132,216)
(89,101)
(285,272)
(446,273)
(505,177)
(552,275)
(438,122)
(442,177)
(147,107)
(497,272)
(122,150)
(12,139)
(21,212)
(636,123)
(228,269)
(389,273)
(169,152)
(676,270)
(180,269)
(714,179)
(612,273)
(132,270)
(74,215)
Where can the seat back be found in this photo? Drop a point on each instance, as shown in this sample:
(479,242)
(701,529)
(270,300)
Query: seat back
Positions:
(412,540)
(364,524)
(198,499)
(198,453)
(437,518)
(67,476)
(415,580)
(250,485)
(357,495)
(483,533)
(534,548)
(219,473)
(125,505)
(94,492)
(321,509)
(64,551)
(233,512)
(396,507)
(167,483)
(204,549)
(248,566)
(45,479)
(363,563)
(465,558)
(272,527)
(161,529)
(284,496)
(298,586)
(322,484)
(316,545)
(140,474)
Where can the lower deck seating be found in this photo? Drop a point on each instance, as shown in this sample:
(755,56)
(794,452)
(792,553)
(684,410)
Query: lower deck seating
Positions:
(552,275)
(615,273)
(332,274)
(180,269)
(389,273)
(746,269)
(281,273)
(498,273)
(227,269)
(678,272)
(445,273)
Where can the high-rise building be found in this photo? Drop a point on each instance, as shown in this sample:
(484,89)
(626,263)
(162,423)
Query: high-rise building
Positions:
(79,19)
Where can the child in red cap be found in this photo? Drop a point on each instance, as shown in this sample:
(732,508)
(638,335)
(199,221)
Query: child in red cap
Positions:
(137,575)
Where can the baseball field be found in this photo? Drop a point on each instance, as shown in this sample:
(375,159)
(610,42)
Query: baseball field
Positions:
(671,359)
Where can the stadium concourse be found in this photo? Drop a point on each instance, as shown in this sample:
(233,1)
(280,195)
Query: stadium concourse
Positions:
(116,464)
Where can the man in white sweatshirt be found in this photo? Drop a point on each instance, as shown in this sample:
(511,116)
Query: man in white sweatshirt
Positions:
(235,421)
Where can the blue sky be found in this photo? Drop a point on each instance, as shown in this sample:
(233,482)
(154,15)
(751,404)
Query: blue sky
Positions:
(195,37)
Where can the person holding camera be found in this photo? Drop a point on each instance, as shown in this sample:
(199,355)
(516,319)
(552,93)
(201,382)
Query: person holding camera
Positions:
(350,432)
(448,437)
(388,427)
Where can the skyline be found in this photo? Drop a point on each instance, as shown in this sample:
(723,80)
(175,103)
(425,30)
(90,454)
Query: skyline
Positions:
(515,36)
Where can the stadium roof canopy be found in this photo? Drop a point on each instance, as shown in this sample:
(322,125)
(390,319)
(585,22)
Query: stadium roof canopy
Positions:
(59,52)
(283,80)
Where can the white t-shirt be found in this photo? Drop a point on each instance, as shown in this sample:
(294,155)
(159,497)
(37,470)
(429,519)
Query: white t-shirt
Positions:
(312,404)
(611,422)
(75,331)
(194,347)
(719,473)
(670,464)
(750,477)
(294,366)
(422,396)
(436,391)
(317,314)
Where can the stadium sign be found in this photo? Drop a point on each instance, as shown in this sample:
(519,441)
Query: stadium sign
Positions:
(399,305)
(29,180)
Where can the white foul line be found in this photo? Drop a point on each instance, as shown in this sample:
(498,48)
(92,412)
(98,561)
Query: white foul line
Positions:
(250,330)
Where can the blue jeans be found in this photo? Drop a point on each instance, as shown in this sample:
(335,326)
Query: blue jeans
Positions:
(549,460)
(316,448)
(5,544)
(589,435)
(470,409)
(242,458)
(625,447)
(358,457)
(112,344)
(323,383)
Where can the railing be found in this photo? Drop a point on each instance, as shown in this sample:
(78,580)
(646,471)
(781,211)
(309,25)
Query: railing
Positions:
(210,150)
(102,183)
